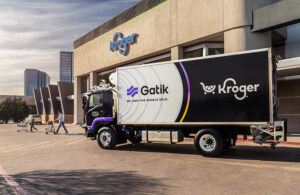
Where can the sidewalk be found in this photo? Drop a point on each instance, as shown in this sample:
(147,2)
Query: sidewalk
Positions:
(292,140)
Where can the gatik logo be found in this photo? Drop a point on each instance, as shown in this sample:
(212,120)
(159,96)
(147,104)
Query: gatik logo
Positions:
(227,89)
(132,91)
(145,90)
(122,43)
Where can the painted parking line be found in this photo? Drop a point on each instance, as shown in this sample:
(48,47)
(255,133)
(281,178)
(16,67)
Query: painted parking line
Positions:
(18,190)
(24,147)
(64,142)
(8,147)
(74,142)
(40,145)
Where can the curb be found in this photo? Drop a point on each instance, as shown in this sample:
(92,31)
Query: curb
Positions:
(282,143)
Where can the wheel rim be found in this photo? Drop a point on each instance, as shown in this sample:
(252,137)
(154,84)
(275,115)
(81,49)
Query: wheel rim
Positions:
(207,142)
(105,138)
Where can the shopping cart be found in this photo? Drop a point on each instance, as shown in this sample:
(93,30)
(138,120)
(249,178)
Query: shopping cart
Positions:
(50,128)
(23,125)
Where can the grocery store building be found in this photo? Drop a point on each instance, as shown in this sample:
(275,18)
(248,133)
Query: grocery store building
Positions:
(163,30)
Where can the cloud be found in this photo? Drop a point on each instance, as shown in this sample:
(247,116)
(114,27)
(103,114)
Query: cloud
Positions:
(33,32)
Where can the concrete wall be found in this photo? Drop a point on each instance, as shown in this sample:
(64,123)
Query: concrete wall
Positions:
(55,104)
(46,103)
(66,89)
(95,55)
(45,100)
(38,101)
(78,111)
(282,13)
(173,23)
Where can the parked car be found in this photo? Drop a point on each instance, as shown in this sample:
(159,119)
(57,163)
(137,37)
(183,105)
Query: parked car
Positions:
(37,119)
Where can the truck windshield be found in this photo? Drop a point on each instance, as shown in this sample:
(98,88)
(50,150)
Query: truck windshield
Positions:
(95,100)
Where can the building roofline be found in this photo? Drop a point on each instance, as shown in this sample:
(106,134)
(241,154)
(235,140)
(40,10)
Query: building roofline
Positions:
(123,17)
(65,51)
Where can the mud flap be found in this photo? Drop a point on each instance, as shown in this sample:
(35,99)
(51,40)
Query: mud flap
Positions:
(280,129)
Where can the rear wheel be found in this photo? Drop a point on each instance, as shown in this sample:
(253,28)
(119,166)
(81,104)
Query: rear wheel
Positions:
(209,142)
(106,138)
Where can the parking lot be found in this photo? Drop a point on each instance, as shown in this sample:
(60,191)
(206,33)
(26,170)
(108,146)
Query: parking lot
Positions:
(35,163)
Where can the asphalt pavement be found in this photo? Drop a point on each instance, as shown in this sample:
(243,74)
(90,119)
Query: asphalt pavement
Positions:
(36,163)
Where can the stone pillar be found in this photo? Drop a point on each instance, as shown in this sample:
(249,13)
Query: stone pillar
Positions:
(93,79)
(176,53)
(78,111)
(237,24)
(241,39)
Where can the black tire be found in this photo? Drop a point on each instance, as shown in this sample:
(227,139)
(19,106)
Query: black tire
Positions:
(212,142)
(106,138)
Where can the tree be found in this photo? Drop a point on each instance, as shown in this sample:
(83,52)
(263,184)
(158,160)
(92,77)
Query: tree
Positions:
(5,110)
(13,108)
(32,110)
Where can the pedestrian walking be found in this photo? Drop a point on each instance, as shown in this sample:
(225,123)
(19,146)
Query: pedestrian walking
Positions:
(32,124)
(61,123)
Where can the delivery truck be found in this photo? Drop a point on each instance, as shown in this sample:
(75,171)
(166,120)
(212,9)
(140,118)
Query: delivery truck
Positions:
(212,99)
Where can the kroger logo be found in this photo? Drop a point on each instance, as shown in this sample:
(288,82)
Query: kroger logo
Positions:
(243,90)
(132,91)
(122,43)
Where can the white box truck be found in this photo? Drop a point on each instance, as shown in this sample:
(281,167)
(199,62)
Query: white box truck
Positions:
(214,98)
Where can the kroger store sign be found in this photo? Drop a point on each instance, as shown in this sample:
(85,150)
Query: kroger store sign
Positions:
(122,43)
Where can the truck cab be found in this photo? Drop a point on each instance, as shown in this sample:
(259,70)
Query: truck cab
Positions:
(98,110)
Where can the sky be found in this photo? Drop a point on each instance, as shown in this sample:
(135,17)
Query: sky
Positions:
(33,32)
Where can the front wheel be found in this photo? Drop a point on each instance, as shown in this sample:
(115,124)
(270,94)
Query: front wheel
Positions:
(209,142)
(106,138)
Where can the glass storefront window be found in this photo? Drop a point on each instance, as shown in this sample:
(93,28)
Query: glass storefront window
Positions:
(286,41)
(215,51)
(292,44)
(193,54)
(203,49)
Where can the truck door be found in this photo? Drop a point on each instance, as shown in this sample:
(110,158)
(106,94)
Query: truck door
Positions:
(99,105)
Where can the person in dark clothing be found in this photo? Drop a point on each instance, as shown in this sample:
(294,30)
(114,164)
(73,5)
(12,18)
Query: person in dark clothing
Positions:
(32,125)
